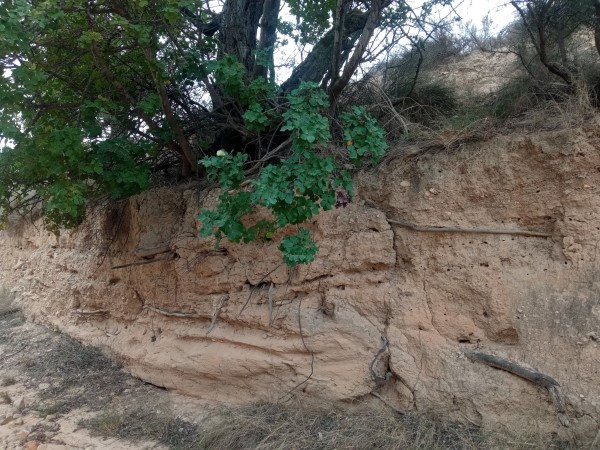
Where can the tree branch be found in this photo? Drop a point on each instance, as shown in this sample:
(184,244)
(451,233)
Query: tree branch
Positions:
(317,62)
(190,165)
(597,25)
(541,18)
(340,84)
(268,35)
(338,29)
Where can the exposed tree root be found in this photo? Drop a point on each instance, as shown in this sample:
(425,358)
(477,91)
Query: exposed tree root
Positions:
(548,383)
(379,378)
(217,311)
(387,403)
(468,230)
(168,313)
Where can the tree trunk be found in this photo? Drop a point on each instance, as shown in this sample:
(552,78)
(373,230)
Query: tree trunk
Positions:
(318,62)
(536,28)
(183,147)
(597,29)
(268,35)
(238,30)
(342,81)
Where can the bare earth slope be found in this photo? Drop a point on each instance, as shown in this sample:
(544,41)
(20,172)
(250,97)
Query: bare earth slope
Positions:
(235,325)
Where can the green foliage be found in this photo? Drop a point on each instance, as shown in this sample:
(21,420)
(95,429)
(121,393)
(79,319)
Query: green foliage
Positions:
(304,118)
(364,137)
(298,188)
(298,249)
(69,135)
(313,19)
(232,76)
(92,95)
(252,96)
(225,168)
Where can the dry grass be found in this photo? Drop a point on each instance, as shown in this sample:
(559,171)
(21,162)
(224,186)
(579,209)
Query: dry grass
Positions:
(145,422)
(6,302)
(308,427)
(570,111)
(7,381)
(78,376)
(106,423)
(10,316)
(5,398)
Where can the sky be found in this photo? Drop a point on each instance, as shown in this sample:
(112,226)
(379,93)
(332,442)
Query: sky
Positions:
(500,11)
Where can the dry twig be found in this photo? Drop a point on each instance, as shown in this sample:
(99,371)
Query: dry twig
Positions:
(141,263)
(168,313)
(217,311)
(387,403)
(312,356)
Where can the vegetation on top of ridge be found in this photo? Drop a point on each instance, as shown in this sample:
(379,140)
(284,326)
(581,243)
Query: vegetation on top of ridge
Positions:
(102,101)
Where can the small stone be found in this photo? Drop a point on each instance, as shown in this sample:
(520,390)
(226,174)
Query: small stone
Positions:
(519,310)
(7,419)
(581,396)
(592,335)
(20,403)
(18,421)
(405,183)
(22,435)
(32,445)
(43,386)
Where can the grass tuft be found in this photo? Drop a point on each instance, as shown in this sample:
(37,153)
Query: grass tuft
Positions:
(5,398)
(7,381)
(78,376)
(308,427)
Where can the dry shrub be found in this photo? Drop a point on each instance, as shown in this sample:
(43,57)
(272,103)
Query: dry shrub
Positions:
(309,426)
(78,375)
(552,109)
(143,422)
(301,426)
(6,302)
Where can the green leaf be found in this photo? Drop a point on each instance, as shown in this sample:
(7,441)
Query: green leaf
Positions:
(298,249)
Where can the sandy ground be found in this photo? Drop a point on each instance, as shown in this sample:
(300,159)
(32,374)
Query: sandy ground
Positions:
(50,385)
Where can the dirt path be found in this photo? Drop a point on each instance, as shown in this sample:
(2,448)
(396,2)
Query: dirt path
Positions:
(56,394)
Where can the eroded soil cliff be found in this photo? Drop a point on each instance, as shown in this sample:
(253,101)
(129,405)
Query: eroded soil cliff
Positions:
(385,308)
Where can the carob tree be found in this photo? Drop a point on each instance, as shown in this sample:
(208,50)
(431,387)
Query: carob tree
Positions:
(94,95)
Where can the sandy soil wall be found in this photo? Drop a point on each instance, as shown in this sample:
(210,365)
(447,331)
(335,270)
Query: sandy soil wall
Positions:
(384,308)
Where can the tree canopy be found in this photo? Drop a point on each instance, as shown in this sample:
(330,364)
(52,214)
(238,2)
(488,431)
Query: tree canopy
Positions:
(94,95)
(549,23)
